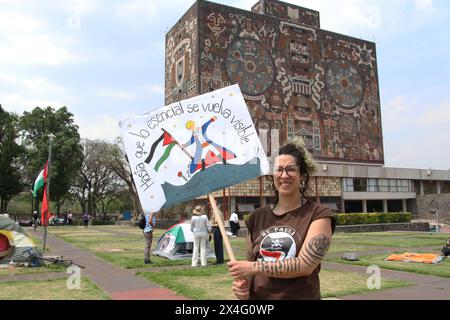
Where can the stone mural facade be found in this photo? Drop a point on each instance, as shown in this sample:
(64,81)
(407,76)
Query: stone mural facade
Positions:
(295,77)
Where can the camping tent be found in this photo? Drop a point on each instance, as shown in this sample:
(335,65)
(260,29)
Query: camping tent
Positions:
(15,245)
(177,243)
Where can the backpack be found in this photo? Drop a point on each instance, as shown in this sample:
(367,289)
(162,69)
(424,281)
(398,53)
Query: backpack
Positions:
(142,222)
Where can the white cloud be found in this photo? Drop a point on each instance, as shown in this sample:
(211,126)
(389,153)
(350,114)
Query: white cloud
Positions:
(139,13)
(116,94)
(398,113)
(420,150)
(416,135)
(23,94)
(424,9)
(18,104)
(156,89)
(101,127)
(35,50)
(436,116)
(13,22)
(28,40)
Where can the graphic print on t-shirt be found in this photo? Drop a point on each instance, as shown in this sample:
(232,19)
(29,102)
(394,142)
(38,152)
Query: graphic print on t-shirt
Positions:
(278,244)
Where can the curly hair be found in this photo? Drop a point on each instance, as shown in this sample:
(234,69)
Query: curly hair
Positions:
(297,148)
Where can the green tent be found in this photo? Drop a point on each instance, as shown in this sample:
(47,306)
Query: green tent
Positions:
(177,243)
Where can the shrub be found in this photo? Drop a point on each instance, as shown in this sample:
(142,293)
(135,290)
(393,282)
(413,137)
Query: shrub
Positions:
(343,219)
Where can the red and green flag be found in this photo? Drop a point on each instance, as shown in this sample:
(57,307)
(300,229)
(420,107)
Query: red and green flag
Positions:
(39,183)
(40,180)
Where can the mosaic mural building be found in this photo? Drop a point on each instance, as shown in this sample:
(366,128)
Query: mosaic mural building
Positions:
(298,80)
(295,77)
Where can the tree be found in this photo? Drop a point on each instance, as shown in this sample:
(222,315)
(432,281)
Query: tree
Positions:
(120,165)
(10,153)
(67,153)
(97,184)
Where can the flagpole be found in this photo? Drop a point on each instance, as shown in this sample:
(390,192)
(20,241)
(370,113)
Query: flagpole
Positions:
(50,137)
(179,144)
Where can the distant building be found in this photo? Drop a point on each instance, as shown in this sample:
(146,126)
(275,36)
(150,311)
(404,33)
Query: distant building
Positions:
(300,80)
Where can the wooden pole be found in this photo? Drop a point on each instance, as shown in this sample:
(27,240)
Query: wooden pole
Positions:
(261,192)
(218,217)
(224,206)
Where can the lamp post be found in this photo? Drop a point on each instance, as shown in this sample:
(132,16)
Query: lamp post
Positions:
(50,138)
(436,212)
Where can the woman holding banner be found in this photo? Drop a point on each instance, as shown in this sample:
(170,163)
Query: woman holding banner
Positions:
(286,241)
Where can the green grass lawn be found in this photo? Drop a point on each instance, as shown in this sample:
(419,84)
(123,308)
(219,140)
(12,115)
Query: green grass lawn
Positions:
(124,247)
(50,290)
(29,270)
(391,239)
(441,269)
(214,282)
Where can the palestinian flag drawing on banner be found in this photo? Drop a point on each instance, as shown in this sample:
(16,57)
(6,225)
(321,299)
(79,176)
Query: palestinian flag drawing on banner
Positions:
(168,141)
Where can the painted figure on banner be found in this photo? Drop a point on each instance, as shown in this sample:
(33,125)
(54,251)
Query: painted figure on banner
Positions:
(202,143)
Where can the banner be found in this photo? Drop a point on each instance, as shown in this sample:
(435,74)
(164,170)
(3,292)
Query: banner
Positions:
(192,147)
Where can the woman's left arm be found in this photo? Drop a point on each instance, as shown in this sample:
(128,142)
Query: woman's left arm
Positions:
(314,248)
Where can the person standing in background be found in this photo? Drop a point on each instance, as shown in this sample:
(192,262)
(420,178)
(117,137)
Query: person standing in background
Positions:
(150,219)
(218,240)
(234,224)
(200,228)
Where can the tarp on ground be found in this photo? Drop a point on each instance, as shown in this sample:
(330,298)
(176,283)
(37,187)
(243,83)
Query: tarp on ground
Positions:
(177,243)
(15,245)
(428,258)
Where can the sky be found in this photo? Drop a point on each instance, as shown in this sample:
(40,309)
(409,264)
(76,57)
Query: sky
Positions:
(104,60)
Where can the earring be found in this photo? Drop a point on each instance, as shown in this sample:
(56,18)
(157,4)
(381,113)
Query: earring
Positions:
(302,185)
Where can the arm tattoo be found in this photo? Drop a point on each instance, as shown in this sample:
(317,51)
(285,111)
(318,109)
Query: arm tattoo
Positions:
(315,250)
(312,254)
(278,268)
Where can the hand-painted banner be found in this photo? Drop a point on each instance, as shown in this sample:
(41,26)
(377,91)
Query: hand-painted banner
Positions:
(192,147)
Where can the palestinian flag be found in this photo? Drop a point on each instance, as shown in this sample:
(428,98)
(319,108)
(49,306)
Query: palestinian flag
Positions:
(167,141)
(40,180)
(45,209)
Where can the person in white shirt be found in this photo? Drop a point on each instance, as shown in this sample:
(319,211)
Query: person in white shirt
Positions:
(234,224)
(200,228)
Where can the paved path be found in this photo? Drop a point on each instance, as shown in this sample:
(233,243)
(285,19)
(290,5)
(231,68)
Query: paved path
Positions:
(119,283)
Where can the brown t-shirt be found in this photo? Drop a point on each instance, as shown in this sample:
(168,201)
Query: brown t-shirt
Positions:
(281,237)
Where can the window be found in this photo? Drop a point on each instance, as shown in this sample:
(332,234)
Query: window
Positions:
(403,185)
(393,185)
(317,142)
(445,186)
(373,185)
(417,186)
(429,187)
(360,185)
(348,184)
(383,185)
